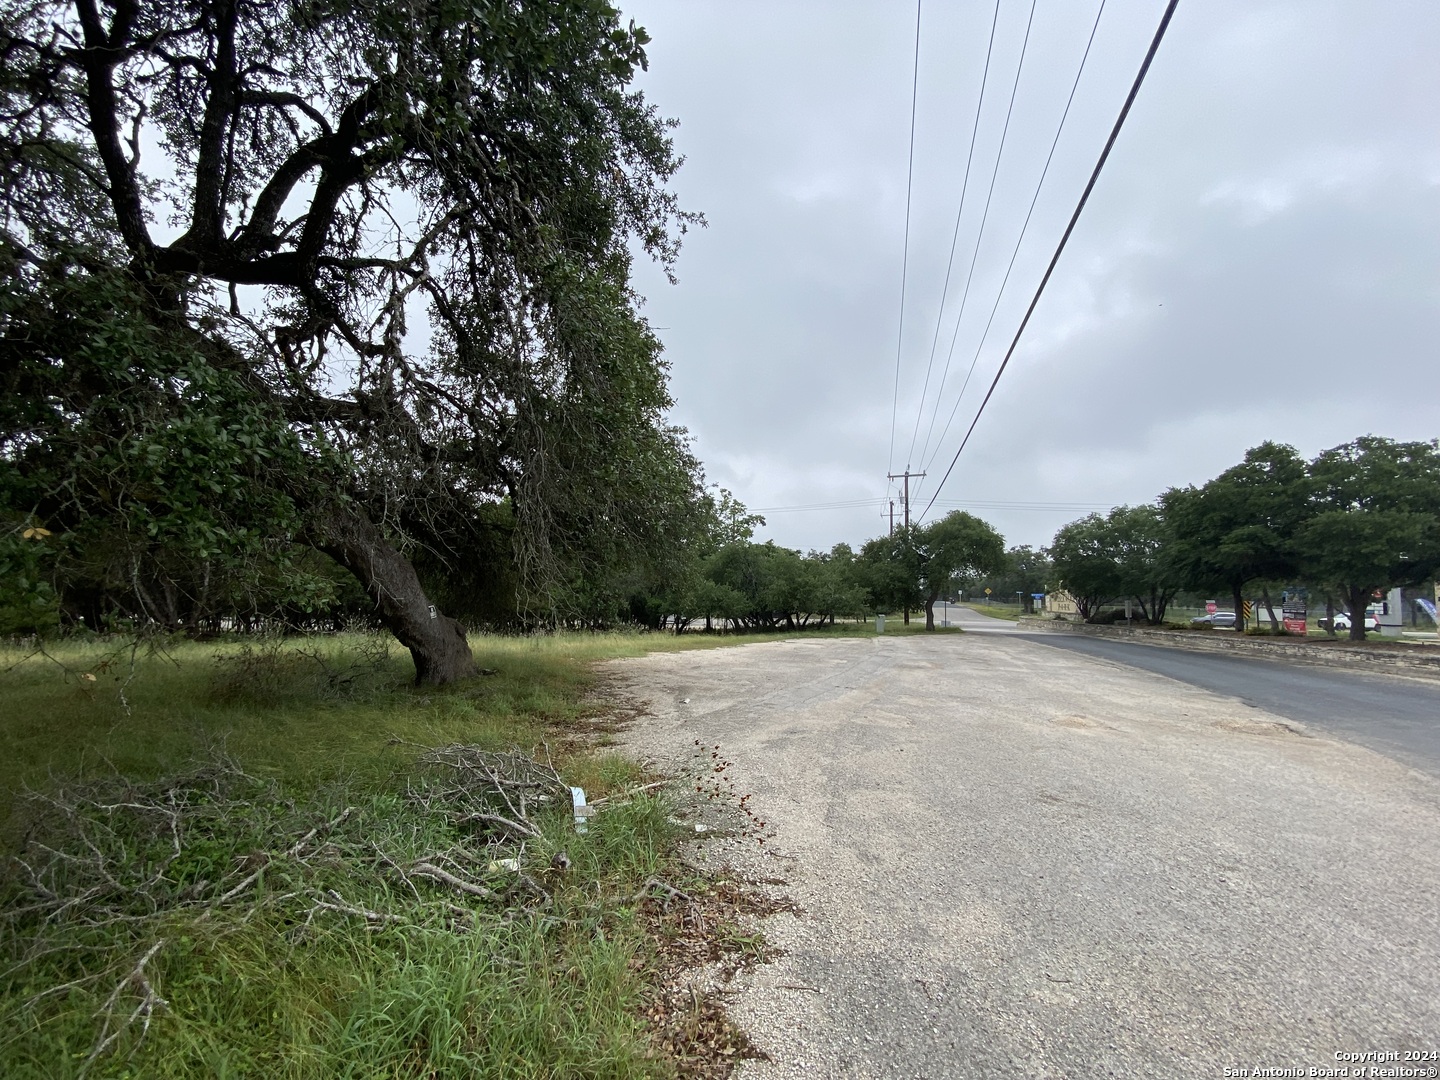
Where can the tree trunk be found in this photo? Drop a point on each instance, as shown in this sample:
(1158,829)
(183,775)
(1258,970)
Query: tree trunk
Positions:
(930,610)
(1329,615)
(1359,600)
(1239,601)
(1269,608)
(436,642)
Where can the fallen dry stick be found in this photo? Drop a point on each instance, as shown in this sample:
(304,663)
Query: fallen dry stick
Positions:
(341,907)
(291,852)
(149,1002)
(429,870)
(671,893)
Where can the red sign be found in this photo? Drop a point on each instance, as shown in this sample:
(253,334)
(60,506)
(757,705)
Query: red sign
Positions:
(1294,609)
(1211,607)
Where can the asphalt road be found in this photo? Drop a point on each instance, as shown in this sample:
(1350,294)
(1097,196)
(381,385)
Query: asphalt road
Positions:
(1395,716)
(1017,859)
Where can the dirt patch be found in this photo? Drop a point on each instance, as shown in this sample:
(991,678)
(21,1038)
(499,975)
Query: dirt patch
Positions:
(1271,728)
(702,939)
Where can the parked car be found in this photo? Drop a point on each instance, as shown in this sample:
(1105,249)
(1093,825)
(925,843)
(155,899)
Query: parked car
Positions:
(1342,621)
(1219,620)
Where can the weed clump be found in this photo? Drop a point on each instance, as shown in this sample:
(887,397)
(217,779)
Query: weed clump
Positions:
(272,671)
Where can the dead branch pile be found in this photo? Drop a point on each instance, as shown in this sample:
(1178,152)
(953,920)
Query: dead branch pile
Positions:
(114,852)
(493,794)
(103,869)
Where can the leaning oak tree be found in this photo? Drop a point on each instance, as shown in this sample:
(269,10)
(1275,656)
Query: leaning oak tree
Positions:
(394,236)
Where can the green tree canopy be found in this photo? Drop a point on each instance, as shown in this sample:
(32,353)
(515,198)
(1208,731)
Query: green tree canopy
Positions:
(1143,547)
(373,270)
(888,570)
(954,551)
(1026,571)
(1086,565)
(1241,525)
(1374,521)
(762,586)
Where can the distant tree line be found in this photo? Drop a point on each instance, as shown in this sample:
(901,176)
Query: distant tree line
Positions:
(1355,520)
(744,585)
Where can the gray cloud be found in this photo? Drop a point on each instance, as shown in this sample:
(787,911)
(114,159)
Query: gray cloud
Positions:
(1258,261)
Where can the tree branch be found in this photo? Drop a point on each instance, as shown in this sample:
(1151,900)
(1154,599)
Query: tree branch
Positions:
(287,101)
(207,211)
(259,233)
(98,58)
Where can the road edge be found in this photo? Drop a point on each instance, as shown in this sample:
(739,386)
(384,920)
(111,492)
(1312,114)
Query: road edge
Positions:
(1379,661)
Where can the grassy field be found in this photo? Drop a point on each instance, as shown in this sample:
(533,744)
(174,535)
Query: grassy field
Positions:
(997,611)
(247,859)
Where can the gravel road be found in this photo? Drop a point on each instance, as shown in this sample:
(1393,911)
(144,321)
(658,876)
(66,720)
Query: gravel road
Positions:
(1018,861)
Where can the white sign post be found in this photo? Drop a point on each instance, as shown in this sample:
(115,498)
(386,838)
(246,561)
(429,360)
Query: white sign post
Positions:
(1392,615)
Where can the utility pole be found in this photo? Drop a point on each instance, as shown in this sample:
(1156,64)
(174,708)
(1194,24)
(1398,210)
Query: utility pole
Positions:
(906,475)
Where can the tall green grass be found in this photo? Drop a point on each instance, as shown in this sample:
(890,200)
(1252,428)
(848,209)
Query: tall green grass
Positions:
(549,993)
(270,986)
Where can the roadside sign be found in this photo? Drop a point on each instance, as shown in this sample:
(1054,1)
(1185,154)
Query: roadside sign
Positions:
(1211,607)
(987,590)
(1392,614)
(1244,614)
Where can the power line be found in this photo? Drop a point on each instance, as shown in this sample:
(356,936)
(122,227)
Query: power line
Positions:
(1049,507)
(844,504)
(980,237)
(974,504)
(905,258)
(1070,228)
(955,236)
(1018,241)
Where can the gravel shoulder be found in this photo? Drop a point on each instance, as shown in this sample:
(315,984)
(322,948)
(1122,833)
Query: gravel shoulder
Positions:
(1021,862)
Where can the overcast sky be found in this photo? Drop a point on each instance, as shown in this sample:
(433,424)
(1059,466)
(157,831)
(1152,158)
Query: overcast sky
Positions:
(1260,259)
